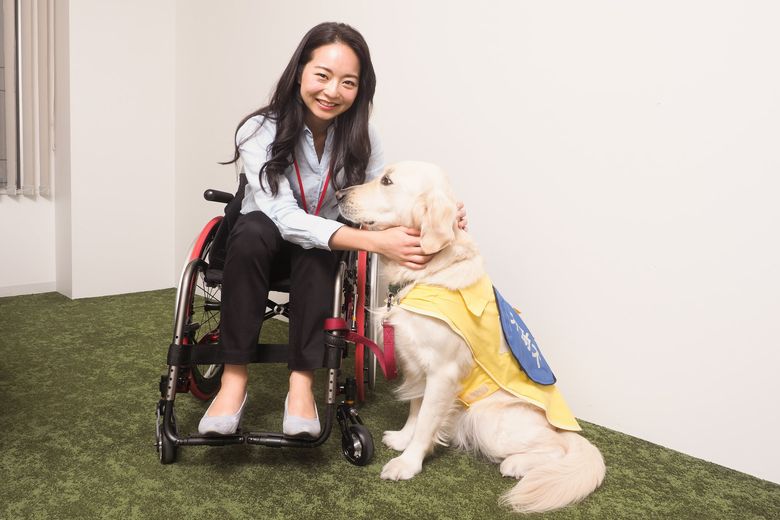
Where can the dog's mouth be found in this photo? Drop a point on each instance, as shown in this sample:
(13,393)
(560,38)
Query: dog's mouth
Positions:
(370,225)
(357,222)
(357,216)
(347,211)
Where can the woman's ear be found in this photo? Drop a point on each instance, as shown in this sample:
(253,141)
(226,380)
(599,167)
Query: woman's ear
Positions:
(435,214)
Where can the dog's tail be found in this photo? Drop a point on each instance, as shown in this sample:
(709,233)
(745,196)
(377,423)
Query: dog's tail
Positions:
(560,482)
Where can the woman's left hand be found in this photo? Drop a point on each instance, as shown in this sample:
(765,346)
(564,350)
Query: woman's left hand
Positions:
(460,217)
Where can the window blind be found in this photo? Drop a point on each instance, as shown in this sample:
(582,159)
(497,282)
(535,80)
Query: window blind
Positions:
(28,60)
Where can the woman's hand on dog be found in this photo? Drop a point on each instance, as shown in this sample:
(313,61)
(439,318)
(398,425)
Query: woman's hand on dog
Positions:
(460,217)
(398,244)
(402,245)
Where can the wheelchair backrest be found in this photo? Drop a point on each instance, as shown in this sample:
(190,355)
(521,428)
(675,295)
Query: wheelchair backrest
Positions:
(218,250)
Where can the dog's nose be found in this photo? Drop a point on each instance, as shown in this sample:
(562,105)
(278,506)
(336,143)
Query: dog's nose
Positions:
(340,195)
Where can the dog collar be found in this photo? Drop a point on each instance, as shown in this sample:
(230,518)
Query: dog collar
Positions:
(392,293)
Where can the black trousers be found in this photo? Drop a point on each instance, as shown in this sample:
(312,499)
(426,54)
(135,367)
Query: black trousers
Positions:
(256,255)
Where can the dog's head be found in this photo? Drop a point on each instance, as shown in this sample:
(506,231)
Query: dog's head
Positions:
(411,194)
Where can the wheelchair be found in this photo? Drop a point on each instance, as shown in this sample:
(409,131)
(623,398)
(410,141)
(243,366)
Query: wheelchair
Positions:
(194,363)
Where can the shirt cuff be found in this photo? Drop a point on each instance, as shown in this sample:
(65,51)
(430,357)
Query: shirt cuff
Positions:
(324,231)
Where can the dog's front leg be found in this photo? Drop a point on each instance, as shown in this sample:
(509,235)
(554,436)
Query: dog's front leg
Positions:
(399,440)
(440,391)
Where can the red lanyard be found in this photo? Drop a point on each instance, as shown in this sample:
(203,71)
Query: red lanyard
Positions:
(303,195)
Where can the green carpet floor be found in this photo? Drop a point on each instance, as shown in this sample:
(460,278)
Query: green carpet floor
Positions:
(79,387)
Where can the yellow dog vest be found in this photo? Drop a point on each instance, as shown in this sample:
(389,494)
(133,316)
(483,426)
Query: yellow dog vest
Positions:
(472,314)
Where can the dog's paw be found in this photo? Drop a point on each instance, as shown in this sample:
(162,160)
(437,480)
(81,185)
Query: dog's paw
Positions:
(400,468)
(514,466)
(397,441)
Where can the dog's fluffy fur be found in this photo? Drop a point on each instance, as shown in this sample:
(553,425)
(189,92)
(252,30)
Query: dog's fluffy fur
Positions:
(556,468)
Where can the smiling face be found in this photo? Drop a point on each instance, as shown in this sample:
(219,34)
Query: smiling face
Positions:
(329,84)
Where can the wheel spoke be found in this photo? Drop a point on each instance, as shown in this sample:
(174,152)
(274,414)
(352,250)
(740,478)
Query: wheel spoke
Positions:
(205,312)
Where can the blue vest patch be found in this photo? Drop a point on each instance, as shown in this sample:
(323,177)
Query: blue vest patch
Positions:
(522,344)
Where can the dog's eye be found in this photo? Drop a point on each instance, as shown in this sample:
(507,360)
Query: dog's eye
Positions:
(386,181)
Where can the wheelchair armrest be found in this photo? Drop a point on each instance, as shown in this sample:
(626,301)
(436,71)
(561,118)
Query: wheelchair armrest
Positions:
(217,196)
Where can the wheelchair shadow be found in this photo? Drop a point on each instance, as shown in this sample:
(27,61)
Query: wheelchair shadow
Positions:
(228,458)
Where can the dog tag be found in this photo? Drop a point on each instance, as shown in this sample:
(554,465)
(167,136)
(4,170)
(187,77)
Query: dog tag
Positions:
(522,344)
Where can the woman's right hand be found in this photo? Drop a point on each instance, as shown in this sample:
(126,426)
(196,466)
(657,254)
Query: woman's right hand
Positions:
(402,245)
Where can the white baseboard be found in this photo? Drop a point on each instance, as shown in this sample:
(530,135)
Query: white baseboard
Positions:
(32,288)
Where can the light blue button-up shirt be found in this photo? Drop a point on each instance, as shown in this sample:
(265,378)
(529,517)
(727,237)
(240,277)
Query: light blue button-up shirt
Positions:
(254,140)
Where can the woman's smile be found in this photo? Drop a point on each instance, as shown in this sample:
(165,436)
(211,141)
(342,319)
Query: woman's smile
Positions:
(326,105)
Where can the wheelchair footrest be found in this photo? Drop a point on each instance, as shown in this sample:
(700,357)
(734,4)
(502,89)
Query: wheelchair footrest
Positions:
(268,439)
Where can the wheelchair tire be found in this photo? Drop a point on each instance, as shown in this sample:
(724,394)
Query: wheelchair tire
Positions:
(370,363)
(358,446)
(360,325)
(204,315)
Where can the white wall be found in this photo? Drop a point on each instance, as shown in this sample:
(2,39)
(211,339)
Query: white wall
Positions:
(122,141)
(63,223)
(27,250)
(27,254)
(112,229)
(617,161)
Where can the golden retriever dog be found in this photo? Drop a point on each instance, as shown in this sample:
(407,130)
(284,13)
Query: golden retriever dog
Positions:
(555,467)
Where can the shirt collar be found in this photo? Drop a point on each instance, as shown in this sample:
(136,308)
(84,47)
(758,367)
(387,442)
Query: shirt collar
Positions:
(328,133)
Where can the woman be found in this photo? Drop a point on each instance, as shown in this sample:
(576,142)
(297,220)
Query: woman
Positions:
(312,139)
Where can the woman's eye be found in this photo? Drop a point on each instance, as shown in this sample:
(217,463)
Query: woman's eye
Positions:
(386,181)
(321,75)
(350,84)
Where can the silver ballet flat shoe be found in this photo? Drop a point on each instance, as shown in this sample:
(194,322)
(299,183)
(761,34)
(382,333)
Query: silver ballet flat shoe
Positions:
(221,424)
(293,426)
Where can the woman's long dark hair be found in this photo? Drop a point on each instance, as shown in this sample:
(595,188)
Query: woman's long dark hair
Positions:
(351,144)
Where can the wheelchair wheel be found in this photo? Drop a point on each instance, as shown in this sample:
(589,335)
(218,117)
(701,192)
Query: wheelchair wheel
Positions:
(373,293)
(360,324)
(366,296)
(203,318)
(358,446)
(205,380)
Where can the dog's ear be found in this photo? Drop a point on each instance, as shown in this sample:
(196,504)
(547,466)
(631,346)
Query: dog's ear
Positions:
(435,214)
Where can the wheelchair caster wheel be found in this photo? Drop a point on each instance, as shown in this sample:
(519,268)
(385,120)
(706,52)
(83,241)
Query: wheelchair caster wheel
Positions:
(358,445)
(166,449)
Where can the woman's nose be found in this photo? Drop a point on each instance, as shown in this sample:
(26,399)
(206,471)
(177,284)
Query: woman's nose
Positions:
(331,88)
